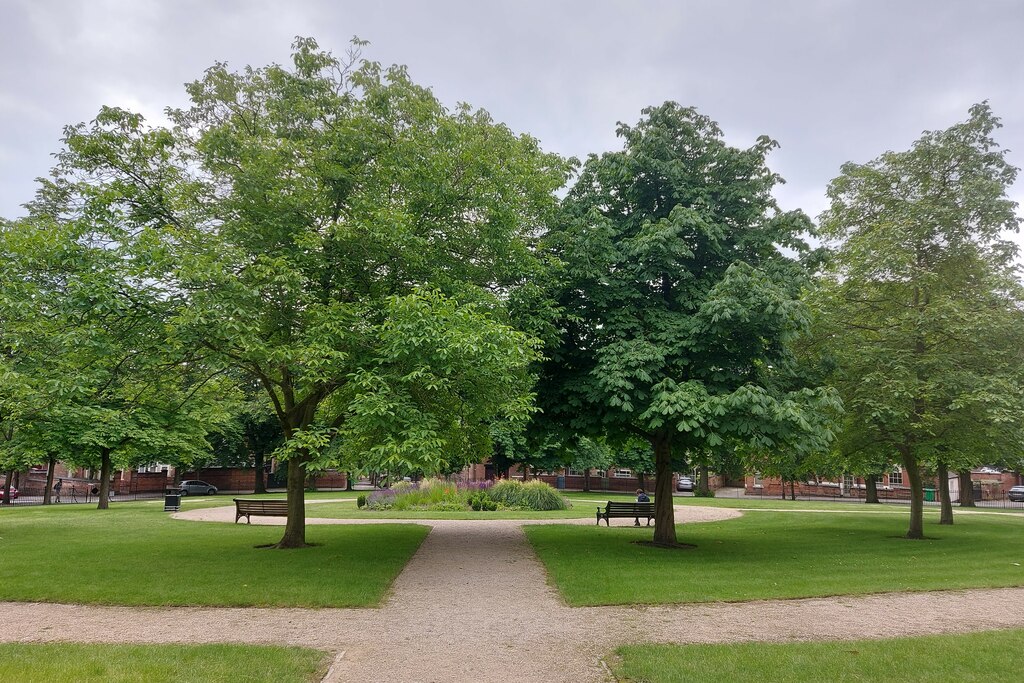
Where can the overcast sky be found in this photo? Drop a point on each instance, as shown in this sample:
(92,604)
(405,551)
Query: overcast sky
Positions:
(832,81)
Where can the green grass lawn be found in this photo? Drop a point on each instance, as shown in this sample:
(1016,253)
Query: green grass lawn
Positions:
(93,663)
(780,555)
(986,656)
(135,554)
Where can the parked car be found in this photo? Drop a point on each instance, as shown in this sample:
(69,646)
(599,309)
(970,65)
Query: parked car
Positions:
(684,483)
(1016,494)
(196,488)
(14,493)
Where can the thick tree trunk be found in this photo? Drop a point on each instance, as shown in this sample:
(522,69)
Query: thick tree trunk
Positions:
(586,479)
(966,489)
(664,513)
(257,464)
(871,489)
(783,487)
(295,527)
(703,485)
(51,463)
(946,516)
(348,482)
(640,481)
(792,489)
(916,530)
(104,501)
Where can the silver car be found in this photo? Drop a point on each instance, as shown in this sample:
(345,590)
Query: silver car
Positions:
(196,488)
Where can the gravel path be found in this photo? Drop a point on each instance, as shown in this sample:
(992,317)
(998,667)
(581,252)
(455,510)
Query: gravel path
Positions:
(474,604)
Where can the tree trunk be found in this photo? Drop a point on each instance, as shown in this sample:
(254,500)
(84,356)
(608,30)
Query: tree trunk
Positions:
(7,488)
(640,481)
(792,489)
(51,463)
(871,489)
(295,527)
(783,487)
(916,530)
(664,513)
(703,485)
(348,482)
(104,501)
(966,489)
(946,516)
(586,479)
(257,464)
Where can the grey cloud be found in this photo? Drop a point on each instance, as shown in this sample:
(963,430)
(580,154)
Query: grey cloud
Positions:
(832,81)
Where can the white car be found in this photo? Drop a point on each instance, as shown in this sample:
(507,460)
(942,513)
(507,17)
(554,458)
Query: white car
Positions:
(684,484)
(196,488)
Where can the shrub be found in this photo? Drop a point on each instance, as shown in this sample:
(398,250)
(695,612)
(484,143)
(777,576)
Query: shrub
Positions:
(533,495)
(698,493)
(361,500)
(381,500)
(538,495)
(402,487)
(428,495)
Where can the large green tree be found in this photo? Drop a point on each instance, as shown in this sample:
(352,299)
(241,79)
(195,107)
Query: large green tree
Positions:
(680,299)
(336,234)
(925,306)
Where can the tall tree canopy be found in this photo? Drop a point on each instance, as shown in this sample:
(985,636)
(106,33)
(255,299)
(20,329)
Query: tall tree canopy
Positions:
(925,307)
(679,301)
(336,234)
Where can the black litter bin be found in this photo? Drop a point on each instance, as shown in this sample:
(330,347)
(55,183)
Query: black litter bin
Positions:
(172,500)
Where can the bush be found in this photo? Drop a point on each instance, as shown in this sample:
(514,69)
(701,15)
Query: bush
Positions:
(710,493)
(533,495)
(428,495)
(381,500)
(361,500)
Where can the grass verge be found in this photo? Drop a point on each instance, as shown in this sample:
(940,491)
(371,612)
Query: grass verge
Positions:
(765,555)
(966,658)
(135,554)
(102,663)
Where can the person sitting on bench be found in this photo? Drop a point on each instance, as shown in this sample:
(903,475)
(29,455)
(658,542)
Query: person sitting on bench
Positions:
(641,497)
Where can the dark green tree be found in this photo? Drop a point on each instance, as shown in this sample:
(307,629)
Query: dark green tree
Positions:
(680,299)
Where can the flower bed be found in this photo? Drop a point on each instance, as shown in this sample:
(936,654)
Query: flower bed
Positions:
(447,496)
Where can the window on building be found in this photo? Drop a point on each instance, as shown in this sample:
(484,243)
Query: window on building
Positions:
(622,474)
(758,480)
(847,481)
(896,477)
(575,473)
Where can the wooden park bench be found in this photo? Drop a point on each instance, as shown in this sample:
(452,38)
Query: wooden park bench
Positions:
(625,510)
(264,508)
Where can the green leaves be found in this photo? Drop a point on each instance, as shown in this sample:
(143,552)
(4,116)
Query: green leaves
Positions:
(923,307)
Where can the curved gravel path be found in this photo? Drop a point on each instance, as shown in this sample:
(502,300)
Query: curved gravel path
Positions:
(474,604)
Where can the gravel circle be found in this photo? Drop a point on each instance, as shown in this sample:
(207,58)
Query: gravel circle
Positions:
(474,603)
